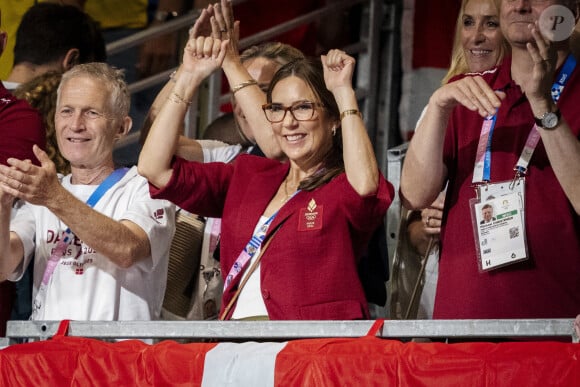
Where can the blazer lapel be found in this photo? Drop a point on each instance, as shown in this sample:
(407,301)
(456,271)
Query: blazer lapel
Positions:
(261,188)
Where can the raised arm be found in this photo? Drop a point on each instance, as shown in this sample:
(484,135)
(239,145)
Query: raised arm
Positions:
(202,55)
(562,146)
(360,162)
(424,172)
(187,148)
(250,98)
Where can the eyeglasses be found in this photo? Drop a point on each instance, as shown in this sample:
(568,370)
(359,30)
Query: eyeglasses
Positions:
(301,111)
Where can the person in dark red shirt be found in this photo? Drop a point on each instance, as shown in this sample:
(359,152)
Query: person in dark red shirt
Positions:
(20,128)
(520,94)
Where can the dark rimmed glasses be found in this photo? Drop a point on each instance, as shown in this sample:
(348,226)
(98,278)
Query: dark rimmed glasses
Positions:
(301,111)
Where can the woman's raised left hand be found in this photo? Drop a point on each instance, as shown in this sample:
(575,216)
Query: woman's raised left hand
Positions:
(203,55)
(338,69)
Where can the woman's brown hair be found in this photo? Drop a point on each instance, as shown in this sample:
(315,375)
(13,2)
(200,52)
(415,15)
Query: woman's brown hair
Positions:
(310,71)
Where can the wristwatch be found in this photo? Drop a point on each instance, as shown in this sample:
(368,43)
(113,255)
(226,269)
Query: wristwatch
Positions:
(549,120)
(163,16)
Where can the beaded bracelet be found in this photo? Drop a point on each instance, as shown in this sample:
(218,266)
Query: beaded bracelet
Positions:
(350,112)
(240,86)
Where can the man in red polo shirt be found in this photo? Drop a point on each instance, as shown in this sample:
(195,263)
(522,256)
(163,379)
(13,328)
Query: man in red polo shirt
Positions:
(522,115)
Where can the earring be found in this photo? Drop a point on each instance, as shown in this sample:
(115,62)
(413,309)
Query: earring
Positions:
(334,130)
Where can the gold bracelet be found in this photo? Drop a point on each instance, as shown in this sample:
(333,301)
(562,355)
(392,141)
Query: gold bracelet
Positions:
(240,86)
(179,99)
(350,112)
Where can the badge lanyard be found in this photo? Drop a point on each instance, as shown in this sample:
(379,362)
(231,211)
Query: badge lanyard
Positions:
(250,249)
(60,248)
(482,168)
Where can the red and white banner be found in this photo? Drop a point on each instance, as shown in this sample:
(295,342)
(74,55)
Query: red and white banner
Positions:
(367,361)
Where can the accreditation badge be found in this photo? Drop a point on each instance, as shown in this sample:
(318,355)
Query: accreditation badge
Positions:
(498,219)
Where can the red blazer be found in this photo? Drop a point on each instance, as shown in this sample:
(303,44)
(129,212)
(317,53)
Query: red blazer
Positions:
(20,128)
(309,271)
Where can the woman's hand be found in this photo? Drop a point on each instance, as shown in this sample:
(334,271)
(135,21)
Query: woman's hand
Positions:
(432,216)
(223,26)
(338,68)
(203,55)
(217,21)
(473,92)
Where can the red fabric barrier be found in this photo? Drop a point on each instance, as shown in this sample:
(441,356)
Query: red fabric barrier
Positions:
(367,361)
(77,361)
(372,362)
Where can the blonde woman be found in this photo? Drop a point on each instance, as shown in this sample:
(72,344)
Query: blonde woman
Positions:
(478,46)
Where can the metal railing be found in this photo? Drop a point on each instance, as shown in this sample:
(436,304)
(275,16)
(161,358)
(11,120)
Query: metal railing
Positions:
(524,329)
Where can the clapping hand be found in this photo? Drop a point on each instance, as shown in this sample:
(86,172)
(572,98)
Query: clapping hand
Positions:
(35,184)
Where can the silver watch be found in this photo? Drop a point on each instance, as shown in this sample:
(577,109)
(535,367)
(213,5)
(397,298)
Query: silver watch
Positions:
(549,120)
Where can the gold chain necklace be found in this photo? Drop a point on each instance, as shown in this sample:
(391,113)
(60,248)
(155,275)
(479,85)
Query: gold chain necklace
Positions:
(287,195)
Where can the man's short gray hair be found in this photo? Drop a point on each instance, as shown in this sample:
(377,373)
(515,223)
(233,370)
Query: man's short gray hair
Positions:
(111,77)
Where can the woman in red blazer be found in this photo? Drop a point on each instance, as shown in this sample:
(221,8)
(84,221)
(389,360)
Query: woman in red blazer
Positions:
(311,217)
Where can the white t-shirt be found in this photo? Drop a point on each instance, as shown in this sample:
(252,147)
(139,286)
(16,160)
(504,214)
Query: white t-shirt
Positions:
(86,285)
(217,151)
(250,302)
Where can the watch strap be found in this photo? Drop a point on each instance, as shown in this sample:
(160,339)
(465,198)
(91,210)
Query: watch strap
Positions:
(540,121)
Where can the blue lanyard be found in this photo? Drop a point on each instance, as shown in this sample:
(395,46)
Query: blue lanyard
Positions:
(60,248)
(489,124)
(110,181)
(563,77)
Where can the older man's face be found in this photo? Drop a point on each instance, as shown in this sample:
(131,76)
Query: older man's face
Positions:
(516,15)
(85,127)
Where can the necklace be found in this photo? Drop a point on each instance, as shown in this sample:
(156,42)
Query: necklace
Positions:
(285,198)
(287,195)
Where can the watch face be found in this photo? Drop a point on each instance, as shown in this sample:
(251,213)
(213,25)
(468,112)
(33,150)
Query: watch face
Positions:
(550,120)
